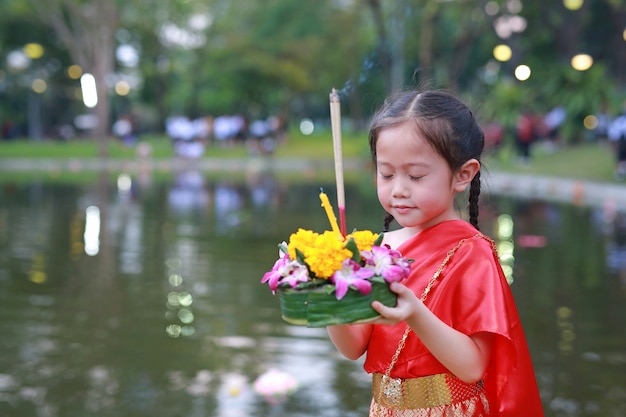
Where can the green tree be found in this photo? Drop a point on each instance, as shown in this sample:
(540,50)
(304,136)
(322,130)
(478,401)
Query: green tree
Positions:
(283,56)
(32,113)
(87,29)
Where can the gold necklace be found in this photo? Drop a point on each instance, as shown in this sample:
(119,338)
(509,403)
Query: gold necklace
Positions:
(392,387)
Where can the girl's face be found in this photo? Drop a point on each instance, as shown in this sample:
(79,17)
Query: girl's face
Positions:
(414,183)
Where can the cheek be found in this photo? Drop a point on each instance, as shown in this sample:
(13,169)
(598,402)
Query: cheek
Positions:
(382,190)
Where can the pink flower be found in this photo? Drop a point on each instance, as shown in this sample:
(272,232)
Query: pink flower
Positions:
(285,270)
(387,263)
(297,274)
(351,273)
(275,385)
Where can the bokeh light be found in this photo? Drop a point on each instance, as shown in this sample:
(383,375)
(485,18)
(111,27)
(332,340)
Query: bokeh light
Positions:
(88,87)
(514,6)
(582,62)
(124,183)
(505,227)
(127,55)
(307,127)
(18,60)
(573,4)
(590,122)
(502,53)
(39,86)
(522,72)
(122,88)
(507,25)
(33,50)
(37,272)
(506,247)
(74,72)
(492,8)
(91,236)
(175,280)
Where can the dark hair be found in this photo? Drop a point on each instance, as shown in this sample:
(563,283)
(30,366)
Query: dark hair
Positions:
(445,122)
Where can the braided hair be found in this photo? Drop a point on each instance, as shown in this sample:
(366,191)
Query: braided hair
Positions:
(445,122)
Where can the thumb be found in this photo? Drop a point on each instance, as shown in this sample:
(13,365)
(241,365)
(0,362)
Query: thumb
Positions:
(382,309)
(398,288)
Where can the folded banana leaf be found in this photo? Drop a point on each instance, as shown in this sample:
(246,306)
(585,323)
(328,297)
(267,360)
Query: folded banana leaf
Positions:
(317,307)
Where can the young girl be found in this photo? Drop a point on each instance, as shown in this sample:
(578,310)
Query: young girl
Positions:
(454,344)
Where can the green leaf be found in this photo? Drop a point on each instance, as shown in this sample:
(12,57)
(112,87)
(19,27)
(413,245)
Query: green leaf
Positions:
(379,239)
(313,283)
(300,256)
(283,248)
(351,246)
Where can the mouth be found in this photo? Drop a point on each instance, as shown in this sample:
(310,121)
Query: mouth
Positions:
(402,209)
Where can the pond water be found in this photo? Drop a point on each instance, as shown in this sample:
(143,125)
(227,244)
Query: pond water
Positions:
(137,296)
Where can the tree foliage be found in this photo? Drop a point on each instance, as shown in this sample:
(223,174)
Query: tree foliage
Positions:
(283,56)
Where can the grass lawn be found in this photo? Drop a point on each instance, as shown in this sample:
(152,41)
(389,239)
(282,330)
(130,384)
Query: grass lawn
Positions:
(588,161)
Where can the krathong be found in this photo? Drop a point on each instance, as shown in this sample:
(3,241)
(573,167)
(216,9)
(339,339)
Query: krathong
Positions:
(325,278)
(332,277)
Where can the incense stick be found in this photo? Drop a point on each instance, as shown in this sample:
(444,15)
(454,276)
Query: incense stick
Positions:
(335,122)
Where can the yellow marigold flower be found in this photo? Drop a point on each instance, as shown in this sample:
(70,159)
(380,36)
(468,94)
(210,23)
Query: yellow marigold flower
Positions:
(327,254)
(364,239)
(302,239)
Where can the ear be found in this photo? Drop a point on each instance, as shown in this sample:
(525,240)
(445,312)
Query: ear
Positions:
(465,174)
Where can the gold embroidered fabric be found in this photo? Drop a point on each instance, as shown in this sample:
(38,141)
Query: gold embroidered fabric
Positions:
(442,395)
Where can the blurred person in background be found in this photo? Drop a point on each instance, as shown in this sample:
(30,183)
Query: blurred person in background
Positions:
(552,123)
(617,138)
(525,135)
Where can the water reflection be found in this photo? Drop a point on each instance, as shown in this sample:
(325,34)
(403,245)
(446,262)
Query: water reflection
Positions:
(168,316)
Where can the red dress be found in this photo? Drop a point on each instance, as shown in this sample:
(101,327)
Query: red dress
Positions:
(472,296)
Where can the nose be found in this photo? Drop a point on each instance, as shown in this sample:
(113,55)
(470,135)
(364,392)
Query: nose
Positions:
(399,189)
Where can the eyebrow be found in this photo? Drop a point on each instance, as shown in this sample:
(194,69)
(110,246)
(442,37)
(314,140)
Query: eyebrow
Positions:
(409,165)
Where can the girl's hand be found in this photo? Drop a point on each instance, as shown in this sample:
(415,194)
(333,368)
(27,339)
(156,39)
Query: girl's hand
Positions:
(408,306)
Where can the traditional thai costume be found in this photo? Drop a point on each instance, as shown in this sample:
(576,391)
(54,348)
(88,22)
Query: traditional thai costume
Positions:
(457,272)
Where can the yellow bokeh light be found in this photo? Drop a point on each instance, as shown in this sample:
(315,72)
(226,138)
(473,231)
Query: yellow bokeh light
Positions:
(39,86)
(573,4)
(582,62)
(624,34)
(502,53)
(122,88)
(74,72)
(33,50)
(522,72)
(590,122)
(38,277)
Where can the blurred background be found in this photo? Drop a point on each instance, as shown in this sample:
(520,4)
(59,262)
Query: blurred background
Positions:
(132,287)
(73,68)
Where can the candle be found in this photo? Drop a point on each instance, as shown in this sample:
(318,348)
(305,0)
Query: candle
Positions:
(329,212)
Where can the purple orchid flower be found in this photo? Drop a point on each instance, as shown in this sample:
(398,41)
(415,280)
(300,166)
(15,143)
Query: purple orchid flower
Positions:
(387,263)
(285,270)
(297,274)
(351,273)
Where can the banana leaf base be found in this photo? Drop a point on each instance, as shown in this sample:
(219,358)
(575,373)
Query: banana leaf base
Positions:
(318,308)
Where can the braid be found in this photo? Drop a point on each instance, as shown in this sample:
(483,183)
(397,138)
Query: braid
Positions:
(388,220)
(473,200)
